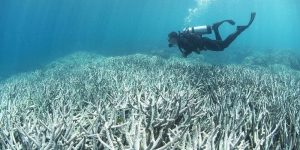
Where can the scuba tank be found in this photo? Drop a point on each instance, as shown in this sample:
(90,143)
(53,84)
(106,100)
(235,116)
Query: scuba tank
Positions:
(198,29)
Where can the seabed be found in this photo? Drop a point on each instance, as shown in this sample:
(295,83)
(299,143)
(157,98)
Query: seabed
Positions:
(87,101)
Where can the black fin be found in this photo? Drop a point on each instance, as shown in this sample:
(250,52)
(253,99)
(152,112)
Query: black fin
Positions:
(231,22)
(253,14)
(216,25)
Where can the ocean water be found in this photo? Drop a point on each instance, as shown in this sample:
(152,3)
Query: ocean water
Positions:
(34,33)
(98,74)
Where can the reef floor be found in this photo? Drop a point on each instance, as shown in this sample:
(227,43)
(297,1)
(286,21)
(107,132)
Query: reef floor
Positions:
(87,101)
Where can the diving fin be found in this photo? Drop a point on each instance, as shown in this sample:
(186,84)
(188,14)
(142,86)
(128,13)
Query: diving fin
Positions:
(241,28)
(230,22)
(216,25)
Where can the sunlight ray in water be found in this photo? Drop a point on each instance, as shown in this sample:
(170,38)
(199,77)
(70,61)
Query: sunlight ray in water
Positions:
(193,12)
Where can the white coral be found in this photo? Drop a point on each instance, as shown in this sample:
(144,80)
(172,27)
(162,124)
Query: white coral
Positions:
(139,102)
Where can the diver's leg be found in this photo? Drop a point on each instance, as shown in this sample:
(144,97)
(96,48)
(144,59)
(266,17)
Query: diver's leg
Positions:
(215,27)
(231,38)
(239,30)
(213,45)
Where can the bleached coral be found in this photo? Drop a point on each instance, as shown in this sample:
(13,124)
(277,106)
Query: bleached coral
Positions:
(140,102)
(268,58)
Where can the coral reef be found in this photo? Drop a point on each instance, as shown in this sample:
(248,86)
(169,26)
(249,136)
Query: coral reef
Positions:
(86,101)
(229,56)
(268,58)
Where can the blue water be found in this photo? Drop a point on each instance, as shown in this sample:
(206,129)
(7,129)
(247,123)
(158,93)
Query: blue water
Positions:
(35,32)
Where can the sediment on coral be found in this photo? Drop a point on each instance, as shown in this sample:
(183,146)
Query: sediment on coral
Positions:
(86,101)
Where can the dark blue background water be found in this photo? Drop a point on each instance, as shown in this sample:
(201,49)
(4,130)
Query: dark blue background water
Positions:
(34,32)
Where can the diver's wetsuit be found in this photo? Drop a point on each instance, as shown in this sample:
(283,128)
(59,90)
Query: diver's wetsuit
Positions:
(187,43)
(191,42)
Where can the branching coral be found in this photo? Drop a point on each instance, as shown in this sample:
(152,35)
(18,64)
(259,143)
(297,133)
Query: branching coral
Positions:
(268,58)
(142,102)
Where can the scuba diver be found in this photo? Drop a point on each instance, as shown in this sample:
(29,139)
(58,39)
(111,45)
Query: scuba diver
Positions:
(191,40)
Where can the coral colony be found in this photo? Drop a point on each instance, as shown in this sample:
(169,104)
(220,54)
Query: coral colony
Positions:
(86,101)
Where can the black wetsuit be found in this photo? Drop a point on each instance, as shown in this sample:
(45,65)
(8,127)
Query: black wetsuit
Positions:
(187,43)
(192,42)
